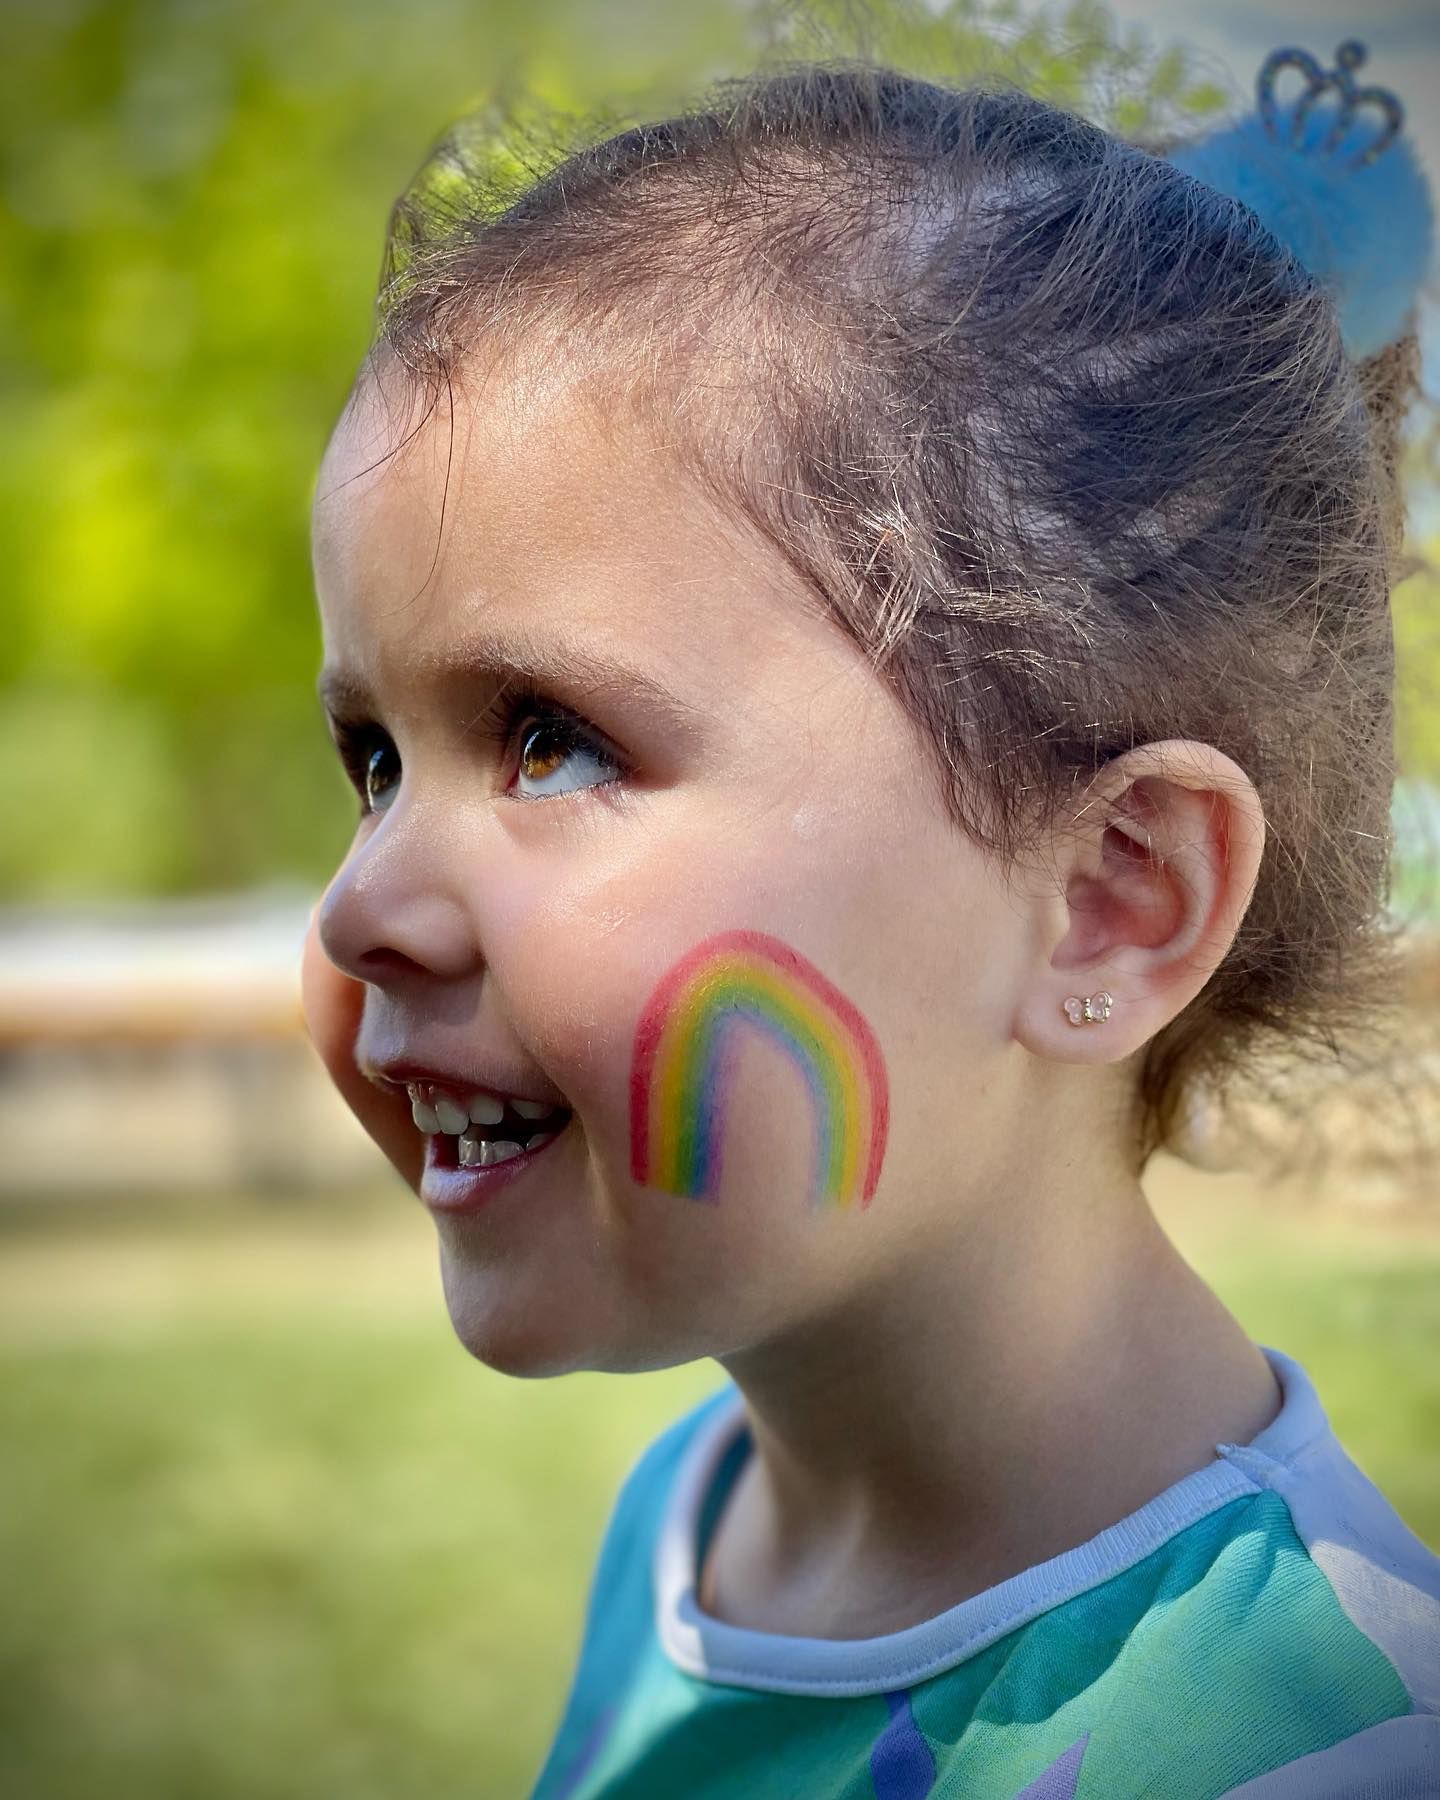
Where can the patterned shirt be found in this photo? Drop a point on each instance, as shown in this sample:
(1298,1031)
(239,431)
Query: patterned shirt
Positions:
(1265,1629)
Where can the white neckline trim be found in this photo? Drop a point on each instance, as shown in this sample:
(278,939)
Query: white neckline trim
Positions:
(716,1651)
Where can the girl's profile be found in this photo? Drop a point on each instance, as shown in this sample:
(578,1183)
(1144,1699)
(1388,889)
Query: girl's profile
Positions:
(858,616)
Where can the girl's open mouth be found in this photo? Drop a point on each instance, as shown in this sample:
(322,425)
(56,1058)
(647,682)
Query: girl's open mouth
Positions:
(463,1170)
(487,1147)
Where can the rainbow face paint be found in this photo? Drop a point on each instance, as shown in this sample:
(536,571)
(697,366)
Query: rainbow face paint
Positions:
(687,1055)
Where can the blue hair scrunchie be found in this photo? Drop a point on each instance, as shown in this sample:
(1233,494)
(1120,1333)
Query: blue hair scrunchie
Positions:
(1345,195)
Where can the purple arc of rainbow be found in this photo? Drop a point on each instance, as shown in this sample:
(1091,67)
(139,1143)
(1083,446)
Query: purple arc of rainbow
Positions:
(686,1061)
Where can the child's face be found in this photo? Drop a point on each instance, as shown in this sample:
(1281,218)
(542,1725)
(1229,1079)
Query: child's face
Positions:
(555,922)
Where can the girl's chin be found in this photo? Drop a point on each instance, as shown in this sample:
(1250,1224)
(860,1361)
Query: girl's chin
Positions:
(509,1348)
(530,1360)
(525,1334)
(535,1343)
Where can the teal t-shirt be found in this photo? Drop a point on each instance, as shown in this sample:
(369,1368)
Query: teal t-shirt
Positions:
(1266,1629)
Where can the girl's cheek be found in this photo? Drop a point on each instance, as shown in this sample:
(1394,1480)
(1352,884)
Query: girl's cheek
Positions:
(693,1009)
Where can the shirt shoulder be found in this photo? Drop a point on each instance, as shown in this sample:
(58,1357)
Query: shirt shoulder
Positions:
(1386,1581)
(1398,1760)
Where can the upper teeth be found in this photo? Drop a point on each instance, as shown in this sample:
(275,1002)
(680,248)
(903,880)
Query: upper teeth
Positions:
(531,1109)
(450,1116)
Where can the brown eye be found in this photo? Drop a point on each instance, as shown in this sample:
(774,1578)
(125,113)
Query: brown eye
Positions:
(370,760)
(552,746)
(542,751)
(382,768)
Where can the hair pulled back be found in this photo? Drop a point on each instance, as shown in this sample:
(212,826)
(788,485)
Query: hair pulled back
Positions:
(1062,437)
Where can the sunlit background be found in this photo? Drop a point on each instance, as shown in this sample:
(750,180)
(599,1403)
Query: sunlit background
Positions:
(267,1530)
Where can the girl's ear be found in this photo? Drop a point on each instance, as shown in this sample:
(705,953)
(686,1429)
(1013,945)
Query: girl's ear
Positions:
(1155,871)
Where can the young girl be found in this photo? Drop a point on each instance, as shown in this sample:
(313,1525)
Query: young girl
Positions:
(859,619)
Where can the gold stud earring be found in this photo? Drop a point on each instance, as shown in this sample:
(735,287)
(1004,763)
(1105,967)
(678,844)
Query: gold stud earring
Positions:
(1094,1009)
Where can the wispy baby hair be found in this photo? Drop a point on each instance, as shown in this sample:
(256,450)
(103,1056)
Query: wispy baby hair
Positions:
(1064,438)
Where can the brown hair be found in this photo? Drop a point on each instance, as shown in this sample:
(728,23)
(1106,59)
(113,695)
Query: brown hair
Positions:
(1065,439)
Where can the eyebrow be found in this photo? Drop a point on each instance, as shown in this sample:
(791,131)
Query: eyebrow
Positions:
(564,667)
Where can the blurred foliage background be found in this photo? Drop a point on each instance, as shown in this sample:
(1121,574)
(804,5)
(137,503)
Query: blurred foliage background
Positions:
(194,200)
(268,1530)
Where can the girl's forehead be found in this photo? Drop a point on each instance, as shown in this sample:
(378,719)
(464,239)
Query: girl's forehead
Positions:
(535,504)
(502,455)
(503,485)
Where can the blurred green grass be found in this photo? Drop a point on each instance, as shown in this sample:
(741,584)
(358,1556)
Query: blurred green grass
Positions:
(269,1531)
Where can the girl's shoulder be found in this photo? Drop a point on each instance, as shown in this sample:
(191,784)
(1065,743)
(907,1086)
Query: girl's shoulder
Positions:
(1329,1613)
(1384,1580)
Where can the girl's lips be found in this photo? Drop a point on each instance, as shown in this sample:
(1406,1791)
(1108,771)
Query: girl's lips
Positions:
(447,1188)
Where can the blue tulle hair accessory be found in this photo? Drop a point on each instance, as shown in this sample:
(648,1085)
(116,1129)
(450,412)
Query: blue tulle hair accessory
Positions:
(1333,178)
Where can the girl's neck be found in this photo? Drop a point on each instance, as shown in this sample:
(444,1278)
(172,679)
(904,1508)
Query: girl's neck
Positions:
(968,1423)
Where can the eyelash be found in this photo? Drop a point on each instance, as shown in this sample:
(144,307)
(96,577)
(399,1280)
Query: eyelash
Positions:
(357,741)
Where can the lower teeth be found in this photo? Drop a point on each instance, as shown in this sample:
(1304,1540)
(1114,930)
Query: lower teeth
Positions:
(477,1152)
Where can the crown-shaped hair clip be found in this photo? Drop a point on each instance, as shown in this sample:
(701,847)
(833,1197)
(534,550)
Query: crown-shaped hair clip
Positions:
(1361,220)
(1318,81)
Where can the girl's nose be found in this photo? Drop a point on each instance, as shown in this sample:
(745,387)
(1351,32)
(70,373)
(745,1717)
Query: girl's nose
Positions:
(393,909)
